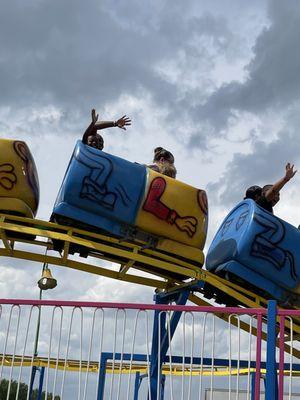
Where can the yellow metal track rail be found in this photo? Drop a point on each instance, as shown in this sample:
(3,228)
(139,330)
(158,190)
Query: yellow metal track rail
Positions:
(125,368)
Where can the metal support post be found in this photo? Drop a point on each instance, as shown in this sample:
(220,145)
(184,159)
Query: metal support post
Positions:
(35,351)
(33,372)
(252,385)
(161,338)
(162,392)
(137,386)
(271,375)
(41,382)
(102,375)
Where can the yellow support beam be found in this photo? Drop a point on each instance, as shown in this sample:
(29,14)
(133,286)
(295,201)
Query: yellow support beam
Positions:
(125,368)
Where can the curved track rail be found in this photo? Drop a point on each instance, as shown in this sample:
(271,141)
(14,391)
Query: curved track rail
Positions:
(34,240)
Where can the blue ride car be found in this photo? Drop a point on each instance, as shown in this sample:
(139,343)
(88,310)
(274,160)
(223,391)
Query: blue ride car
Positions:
(100,190)
(257,249)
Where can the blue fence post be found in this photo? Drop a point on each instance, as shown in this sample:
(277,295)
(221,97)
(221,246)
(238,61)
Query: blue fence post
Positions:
(163,381)
(136,386)
(102,375)
(33,372)
(41,382)
(271,375)
(160,324)
(252,385)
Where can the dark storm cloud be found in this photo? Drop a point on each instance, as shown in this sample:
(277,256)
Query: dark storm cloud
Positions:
(273,86)
(273,74)
(264,165)
(77,54)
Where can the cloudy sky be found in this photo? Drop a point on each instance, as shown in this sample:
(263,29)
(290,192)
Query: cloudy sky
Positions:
(216,82)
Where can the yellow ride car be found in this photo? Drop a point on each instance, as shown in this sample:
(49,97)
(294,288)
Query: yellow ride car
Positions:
(19,184)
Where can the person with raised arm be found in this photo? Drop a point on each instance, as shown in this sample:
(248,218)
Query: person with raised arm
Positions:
(269,195)
(92,138)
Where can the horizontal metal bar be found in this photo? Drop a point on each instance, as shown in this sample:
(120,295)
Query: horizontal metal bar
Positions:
(136,306)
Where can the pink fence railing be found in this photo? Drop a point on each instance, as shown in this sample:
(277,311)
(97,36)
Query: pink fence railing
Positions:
(86,350)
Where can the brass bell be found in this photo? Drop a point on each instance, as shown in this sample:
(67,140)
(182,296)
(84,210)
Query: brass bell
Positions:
(47,281)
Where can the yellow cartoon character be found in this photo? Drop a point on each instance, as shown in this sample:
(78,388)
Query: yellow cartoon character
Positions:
(19,185)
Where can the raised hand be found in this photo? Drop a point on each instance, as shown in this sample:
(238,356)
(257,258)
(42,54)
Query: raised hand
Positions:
(289,171)
(186,224)
(122,122)
(94,116)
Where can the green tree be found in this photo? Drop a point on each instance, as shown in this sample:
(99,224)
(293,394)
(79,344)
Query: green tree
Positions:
(4,383)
